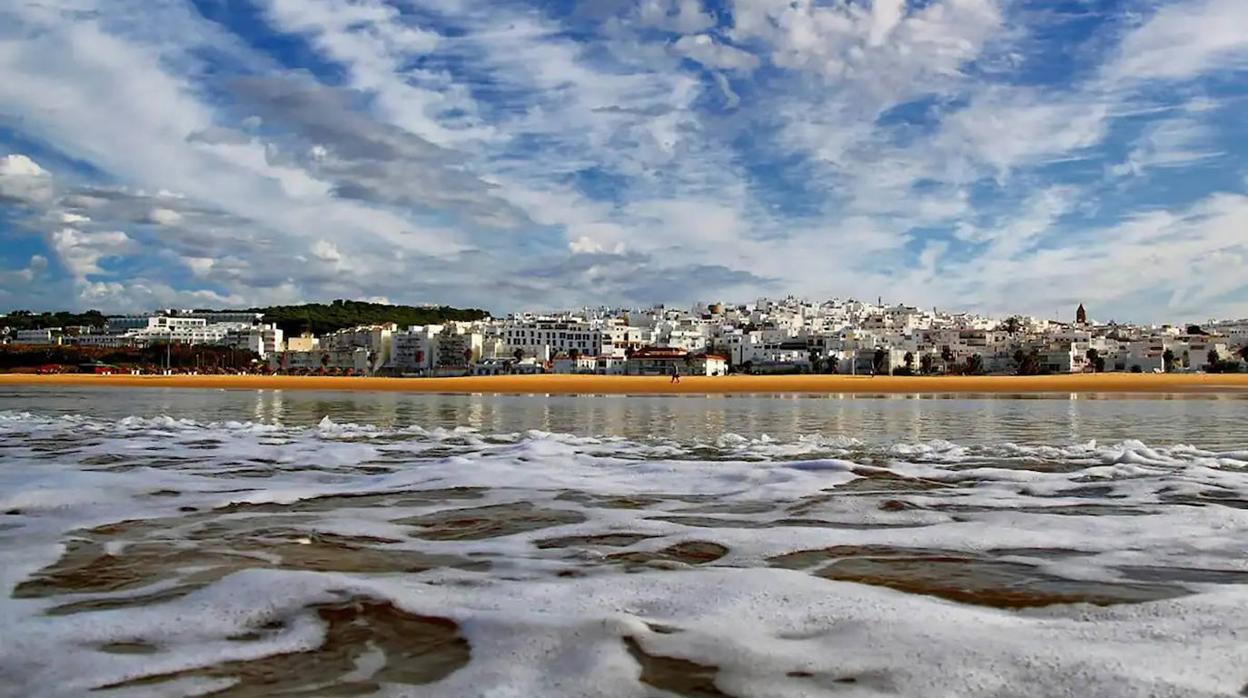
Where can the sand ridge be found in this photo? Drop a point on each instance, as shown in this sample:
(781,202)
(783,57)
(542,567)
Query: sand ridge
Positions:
(694,385)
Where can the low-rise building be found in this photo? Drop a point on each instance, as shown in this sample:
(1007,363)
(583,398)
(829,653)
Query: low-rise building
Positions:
(42,336)
(657,361)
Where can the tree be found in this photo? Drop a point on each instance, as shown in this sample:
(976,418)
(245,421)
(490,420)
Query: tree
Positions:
(926,363)
(908,359)
(1012,324)
(574,353)
(1213,361)
(1095,360)
(1167,361)
(518,354)
(1243,352)
(1135,368)
(320,318)
(946,356)
(747,366)
(1194,329)
(879,362)
(975,365)
(814,360)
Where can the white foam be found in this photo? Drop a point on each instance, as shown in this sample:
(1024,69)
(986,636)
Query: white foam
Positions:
(533,633)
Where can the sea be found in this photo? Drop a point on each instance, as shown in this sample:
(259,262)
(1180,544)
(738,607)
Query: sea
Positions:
(164,542)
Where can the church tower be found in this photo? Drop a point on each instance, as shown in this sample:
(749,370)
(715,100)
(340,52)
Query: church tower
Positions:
(1081,315)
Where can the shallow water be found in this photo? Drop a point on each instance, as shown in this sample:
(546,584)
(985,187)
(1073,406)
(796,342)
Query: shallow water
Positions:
(167,542)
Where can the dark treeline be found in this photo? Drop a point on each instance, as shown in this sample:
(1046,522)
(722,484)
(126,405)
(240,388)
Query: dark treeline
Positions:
(320,318)
(317,318)
(26,320)
(175,356)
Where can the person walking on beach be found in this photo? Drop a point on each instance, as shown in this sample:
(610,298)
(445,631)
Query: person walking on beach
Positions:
(675,374)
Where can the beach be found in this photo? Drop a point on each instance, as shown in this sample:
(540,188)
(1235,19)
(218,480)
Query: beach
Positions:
(552,384)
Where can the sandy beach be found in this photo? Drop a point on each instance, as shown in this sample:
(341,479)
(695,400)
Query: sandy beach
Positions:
(623,385)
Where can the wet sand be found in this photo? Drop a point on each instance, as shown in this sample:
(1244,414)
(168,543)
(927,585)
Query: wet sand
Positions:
(698,385)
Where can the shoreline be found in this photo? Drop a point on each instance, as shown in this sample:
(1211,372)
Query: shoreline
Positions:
(558,384)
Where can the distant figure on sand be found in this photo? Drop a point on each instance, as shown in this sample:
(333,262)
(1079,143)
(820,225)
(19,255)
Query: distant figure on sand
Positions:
(675,374)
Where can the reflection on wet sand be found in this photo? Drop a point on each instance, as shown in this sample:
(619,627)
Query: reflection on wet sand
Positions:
(393,646)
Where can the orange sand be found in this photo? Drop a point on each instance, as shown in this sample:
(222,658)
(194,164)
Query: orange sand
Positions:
(567,384)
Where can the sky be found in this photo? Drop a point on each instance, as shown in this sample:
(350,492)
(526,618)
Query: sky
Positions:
(995,156)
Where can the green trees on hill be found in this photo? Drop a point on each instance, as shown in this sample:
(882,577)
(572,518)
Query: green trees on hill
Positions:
(320,318)
(26,320)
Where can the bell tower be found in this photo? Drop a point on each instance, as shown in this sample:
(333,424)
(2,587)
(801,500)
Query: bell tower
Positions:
(1081,315)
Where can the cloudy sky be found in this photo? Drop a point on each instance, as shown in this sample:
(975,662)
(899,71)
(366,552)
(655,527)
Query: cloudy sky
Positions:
(991,155)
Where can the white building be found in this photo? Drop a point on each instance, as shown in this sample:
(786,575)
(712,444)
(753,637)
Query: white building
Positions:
(43,336)
(259,339)
(375,339)
(353,359)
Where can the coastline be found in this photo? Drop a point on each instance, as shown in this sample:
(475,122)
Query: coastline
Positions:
(810,384)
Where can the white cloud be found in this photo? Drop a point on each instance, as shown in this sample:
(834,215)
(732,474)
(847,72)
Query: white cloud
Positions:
(326,251)
(883,50)
(712,54)
(1174,142)
(679,16)
(23,181)
(164,216)
(80,252)
(1183,40)
(1006,129)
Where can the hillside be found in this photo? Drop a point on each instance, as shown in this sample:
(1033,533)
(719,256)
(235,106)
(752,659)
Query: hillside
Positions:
(320,318)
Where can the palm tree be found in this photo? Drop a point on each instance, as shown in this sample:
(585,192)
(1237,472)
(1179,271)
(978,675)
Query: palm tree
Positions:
(1093,357)
(946,355)
(909,361)
(1167,361)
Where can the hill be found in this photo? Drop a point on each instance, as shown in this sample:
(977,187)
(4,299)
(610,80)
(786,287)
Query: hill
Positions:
(320,318)
(317,318)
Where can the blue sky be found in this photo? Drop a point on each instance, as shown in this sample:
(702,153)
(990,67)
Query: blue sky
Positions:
(989,155)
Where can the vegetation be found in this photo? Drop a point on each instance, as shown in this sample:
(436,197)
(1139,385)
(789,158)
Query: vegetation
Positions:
(1216,364)
(205,358)
(26,320)
(975,365)
(1096,360)
(1028,363)
(927,364)
(322,318)
(317,318)
(1167,361)
(879,362)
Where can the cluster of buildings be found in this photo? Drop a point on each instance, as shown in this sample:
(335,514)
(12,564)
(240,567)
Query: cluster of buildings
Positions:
(236,329)
(789,335)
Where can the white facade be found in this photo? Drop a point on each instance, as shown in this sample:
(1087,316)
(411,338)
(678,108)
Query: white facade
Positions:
(259,339)
(45,336)
(375,339)
(354,359)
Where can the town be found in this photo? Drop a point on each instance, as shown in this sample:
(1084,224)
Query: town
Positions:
(768,336)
